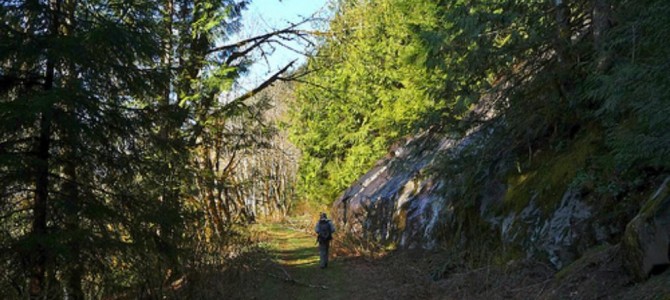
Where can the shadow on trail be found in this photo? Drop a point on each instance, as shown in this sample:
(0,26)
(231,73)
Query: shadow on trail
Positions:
(301,257)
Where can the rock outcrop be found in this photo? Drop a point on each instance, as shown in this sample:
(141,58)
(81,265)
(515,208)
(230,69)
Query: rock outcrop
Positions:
(396,201)
(403,202)
(554,235)
(646,242)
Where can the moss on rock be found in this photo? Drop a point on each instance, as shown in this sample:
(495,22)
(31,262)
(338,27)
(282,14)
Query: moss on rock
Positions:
(646,241)
(549,174)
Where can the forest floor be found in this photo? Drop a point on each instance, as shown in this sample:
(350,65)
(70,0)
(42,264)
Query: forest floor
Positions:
(286,267)
(294,272)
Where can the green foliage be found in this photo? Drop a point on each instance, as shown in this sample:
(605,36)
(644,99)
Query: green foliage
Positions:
(367,92)
(94,146)
(632,98)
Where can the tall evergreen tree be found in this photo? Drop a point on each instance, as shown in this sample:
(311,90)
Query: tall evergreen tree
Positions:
(73,127)
(106,107)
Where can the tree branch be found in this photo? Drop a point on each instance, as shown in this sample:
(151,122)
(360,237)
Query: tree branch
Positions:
(288,30)
(263,85)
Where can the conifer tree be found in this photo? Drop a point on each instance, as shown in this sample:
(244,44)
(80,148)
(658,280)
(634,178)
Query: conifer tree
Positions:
(105,109)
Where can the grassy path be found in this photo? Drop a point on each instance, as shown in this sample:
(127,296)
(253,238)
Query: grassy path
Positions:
(287,268)
(282,263)
(295,273)
(292,271)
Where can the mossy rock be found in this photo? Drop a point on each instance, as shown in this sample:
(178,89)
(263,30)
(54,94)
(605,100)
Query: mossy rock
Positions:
(549,175)
(646,242)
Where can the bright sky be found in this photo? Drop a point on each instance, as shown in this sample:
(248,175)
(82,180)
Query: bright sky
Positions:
(264,16)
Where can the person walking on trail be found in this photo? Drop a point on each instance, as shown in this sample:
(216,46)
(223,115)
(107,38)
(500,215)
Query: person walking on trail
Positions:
(324,230)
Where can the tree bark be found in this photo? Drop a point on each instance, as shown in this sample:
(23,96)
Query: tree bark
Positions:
(39,255)
(601,24)
(562,46)
(39,224)
(72,220)
(75,272)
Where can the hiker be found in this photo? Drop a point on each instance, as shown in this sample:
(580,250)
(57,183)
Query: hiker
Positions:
(324,230)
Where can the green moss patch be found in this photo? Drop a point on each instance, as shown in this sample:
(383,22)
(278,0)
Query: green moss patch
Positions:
(549,174)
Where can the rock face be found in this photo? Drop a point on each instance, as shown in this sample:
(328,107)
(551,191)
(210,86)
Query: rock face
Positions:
(646,243)
(401,202)
(555,236)
(396,202)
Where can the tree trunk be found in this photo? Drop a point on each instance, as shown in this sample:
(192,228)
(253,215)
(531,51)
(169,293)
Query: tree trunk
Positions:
(601,24)
(37,287)
(562,45)
(72,220)
(75,272)
(39,225)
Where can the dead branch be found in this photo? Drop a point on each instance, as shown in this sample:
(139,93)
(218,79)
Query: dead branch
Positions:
(287,278)
(263,85)
(290,30)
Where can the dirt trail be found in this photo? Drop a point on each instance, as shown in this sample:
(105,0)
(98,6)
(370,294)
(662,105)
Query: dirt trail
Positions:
(289,270)
(294,272)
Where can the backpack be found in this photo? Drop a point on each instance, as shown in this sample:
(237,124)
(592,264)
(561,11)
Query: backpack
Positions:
(325,234)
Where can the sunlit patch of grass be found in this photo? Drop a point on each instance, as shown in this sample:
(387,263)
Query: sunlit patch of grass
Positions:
(291,247)
(296,257)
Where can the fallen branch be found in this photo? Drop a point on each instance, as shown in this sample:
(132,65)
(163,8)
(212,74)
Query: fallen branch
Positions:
(288,278)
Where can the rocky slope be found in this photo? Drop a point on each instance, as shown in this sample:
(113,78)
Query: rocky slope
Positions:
(416,197)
